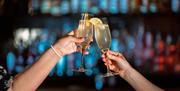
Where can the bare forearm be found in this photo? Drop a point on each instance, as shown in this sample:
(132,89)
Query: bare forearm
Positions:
(138,82)
(31,78)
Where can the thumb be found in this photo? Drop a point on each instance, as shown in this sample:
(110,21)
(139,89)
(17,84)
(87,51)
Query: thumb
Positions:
(77,40)
(112,57)
(71,33)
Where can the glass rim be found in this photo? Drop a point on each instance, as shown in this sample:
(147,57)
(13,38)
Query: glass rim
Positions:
(104,20)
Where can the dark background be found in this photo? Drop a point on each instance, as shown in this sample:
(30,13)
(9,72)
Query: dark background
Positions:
(14,14)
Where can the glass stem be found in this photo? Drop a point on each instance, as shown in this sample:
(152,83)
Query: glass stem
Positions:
(108,68)
(82,61)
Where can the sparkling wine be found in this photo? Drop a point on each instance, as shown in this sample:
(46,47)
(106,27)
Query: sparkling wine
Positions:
(103,36)
(85,30)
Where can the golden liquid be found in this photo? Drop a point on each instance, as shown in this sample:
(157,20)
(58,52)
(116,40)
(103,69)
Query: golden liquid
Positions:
(103,36)
(85,30)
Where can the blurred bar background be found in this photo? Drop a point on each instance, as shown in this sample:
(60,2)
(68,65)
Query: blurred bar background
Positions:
(147,32)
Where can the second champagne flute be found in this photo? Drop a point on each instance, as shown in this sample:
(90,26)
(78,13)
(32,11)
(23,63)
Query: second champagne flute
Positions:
(103,39)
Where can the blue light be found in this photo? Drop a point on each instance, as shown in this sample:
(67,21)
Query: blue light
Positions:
(130,42)
(84,6)
(42,46)
(35,4)
(138,62)
(30,60)
(147,53)
(10,60)
(148,39)
(143,9)
(67,27)
(103,4)
(70,64)
(99,85)
(123,6)
(112,81)
(140,36)
(74,5)
(44,7)
(89,61)
(60,66)
(69,72)
(64,8)
(153,7)
(94,10)
(115,44)
(113,6)
(33,49)
(89,72)
(20,60)
(52,72)
(96,71)
(94,52)
(77,60)
(98,82)
(54,10)
(175,5)
(115,33)
(19,68)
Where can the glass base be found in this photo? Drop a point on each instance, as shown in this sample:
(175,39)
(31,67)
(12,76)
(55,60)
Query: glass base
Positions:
(80,70)
(109,74)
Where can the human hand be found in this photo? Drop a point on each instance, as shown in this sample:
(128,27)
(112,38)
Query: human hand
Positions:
(67,44)
(116,62)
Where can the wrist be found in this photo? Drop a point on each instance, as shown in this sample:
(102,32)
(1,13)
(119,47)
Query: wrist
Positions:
(56,50)
(53,55)
(127,72)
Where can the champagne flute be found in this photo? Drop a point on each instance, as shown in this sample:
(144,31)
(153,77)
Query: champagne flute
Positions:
(103,39)
(85,30)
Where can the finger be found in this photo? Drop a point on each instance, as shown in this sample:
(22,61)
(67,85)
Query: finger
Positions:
(112,52)
(103,56)
(112,67)
(71,33)
(109,61)
(116,54)
(106,64)
(77,40)
(104,60)
(112,57)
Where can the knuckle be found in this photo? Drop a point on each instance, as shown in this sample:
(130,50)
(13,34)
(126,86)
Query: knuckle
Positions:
(70,37)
